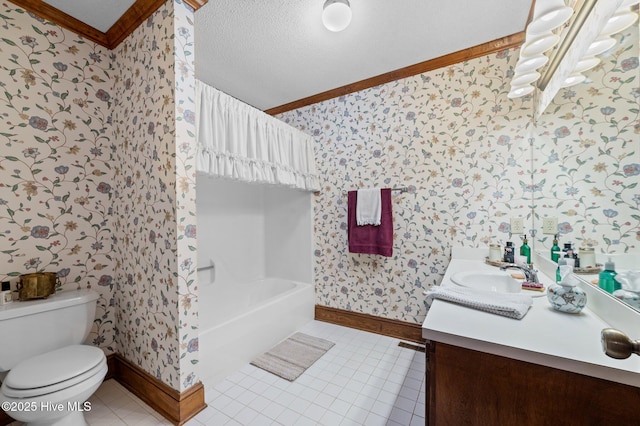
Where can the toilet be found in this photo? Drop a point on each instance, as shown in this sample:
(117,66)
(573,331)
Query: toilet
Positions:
(47,375)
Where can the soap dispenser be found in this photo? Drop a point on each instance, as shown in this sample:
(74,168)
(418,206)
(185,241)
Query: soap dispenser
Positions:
(607,278)
(525,250)
(555,249)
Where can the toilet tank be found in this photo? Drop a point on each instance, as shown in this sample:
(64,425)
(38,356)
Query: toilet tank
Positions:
(37,326)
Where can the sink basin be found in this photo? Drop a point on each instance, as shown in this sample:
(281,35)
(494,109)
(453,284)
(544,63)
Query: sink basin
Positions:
(487,281)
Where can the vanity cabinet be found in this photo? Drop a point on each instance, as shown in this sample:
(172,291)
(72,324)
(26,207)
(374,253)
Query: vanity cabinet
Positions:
(469,387)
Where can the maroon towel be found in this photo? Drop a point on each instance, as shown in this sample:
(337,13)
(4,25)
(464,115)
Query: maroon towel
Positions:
(369,238)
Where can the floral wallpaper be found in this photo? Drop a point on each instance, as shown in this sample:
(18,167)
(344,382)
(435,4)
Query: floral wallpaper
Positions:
(56,169)
(97,173)
(588,155)
(459,145)
(154,213)
(464,151)
(185,149)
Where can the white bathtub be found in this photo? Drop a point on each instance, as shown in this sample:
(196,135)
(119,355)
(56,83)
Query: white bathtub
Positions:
(240,321)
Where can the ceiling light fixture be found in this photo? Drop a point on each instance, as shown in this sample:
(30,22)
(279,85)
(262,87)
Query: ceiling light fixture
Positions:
(336,14)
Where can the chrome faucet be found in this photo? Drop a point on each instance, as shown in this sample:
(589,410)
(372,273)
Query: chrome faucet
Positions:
(530,274)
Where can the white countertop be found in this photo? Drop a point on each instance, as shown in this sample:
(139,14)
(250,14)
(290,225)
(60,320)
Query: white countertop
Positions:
(544,336)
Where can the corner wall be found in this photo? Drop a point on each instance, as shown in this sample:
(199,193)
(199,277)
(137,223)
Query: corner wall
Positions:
(98,180)
(154,206)
(56,160)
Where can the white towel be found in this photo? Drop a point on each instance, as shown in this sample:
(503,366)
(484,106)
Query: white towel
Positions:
(368,207)
(509,305)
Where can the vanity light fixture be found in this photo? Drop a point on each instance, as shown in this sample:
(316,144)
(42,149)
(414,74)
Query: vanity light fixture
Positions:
(336,14)
(619,22)
(550,17)
(574,79)
(518,92)
(600,45)
(545,31)
(538,45)
(566,42)
(522,79)
(526,65)
(586,64)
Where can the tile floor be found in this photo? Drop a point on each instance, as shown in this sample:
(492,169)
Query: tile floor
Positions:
(365,379)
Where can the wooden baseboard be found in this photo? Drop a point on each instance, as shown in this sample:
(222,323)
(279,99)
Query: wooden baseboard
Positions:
(177,407)
(385,326)
(111,365)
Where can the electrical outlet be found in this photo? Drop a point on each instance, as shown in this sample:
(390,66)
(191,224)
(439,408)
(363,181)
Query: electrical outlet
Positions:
(550,225)
(517,226)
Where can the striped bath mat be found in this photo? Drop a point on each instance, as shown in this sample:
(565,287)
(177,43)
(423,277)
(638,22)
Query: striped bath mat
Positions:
(290,358)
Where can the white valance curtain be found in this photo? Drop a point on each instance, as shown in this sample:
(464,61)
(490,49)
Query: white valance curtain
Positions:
(240,142)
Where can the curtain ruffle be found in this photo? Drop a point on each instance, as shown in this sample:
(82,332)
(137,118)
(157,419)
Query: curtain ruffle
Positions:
(239,142)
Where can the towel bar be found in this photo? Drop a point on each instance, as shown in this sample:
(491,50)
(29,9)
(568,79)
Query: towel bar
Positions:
(401,189)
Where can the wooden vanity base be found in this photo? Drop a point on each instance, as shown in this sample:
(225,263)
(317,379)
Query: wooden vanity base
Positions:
(467,387)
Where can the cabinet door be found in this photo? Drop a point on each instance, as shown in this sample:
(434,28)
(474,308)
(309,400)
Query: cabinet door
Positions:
(466,387)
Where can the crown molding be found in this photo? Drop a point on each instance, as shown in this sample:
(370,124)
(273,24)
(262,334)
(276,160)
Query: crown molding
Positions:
(120,30)
(508,42)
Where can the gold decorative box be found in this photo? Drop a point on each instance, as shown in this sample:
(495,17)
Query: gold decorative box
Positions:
(37,285)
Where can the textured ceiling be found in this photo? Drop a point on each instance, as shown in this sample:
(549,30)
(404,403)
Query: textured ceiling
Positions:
(100,14)
(271,52)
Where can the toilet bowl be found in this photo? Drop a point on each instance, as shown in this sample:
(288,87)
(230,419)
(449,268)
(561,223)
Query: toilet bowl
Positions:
(47,375)
(51,388)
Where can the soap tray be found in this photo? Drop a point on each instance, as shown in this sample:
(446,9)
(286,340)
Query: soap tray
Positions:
(497,263)
(588,271)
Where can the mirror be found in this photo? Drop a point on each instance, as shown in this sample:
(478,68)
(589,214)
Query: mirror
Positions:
(586,160)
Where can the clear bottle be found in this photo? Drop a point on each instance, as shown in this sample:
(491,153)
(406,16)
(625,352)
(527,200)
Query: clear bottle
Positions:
(525,250)
(555,249)
(607,278)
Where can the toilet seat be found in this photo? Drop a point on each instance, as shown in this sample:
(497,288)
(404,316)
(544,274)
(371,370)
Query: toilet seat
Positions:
(54,371)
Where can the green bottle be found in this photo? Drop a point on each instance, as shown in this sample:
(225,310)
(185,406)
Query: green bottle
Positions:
(555,249)
(607,278)
(561,262)
(525,250)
